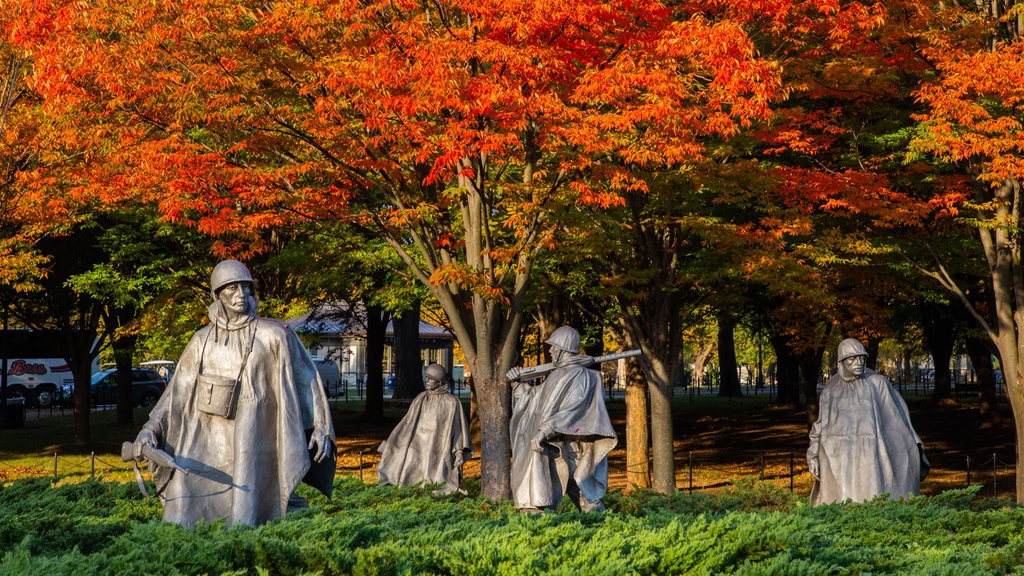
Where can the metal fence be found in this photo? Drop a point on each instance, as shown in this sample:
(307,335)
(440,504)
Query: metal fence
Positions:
(698,471)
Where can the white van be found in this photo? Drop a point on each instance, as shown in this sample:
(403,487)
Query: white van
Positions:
(37,372)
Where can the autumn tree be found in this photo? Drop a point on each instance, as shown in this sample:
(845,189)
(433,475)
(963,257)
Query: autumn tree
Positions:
(23,219)
(973,126)
(459,132)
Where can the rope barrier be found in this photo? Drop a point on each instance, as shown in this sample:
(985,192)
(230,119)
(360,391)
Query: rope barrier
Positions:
(699,473)
(58,466)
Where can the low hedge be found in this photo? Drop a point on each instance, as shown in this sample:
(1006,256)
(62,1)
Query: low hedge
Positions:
(97,527)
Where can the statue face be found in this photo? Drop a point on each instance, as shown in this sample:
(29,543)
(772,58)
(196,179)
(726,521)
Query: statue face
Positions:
(856,365)
(555,353)
(235,298)
(434,385)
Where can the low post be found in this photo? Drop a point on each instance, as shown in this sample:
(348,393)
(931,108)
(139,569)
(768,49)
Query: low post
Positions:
(54,466)
(360,465)
(791,470)
(762,465)
(968,471)
(92,465)
(995,476)
(691,471)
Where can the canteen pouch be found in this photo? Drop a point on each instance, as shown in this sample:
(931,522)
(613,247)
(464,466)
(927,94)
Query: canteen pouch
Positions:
(217,395)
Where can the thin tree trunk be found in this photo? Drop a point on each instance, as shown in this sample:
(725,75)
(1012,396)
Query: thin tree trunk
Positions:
(638,469)
(984,371)
(124,350)
(787,374)
(376,327)
(82,354)
(729,385)
(700,364)
(940,331)
(406,348)
(809,363)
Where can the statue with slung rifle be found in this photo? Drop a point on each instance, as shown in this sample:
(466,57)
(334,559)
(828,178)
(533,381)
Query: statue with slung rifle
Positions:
(243,420)
(561,432)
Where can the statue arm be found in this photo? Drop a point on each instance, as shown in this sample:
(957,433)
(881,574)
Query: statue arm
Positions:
(813,464)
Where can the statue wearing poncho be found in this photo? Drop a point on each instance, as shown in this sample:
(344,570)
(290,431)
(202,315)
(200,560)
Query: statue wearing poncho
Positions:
(245,413)
(863,443)
(561,433)
(431,442)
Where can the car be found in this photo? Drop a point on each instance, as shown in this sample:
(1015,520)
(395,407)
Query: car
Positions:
(147,386)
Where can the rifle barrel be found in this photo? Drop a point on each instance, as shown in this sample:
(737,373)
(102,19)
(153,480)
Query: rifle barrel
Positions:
(534,372)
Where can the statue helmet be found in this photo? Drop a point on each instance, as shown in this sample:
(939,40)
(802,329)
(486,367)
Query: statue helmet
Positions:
(565,338)
(228,272)
(851,347)
(436,372)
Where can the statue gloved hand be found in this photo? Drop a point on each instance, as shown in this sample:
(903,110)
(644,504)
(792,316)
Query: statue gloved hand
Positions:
(537,443)
(812,467)
(146,437)
(322,442)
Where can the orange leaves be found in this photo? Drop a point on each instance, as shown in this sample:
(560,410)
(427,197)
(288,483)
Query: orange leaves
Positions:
(854,193)
(974,108)
(465,278)
(242,117)
(589,196)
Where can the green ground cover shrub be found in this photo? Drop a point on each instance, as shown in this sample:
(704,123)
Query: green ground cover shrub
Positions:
(98,527)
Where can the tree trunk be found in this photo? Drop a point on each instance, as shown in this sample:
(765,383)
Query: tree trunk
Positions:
(406,347)
(376,328)
(984,372)
(495,401)
(809,362)
(638,469)
(124,351)
(1003,253)
(729,385)
(940,331)
(81,347)
(700,364)
(659,334)
(787,374)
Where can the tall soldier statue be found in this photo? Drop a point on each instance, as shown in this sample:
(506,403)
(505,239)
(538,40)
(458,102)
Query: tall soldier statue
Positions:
(245,415)
(863,444)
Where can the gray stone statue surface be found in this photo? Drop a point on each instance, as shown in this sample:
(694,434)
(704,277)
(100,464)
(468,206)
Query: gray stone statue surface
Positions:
(431,442)
(245,414)
(863,444)
(561,432)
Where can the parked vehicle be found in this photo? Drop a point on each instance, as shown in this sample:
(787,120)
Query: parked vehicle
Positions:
(37,372)
(330,376)
(163,367)
(147,386)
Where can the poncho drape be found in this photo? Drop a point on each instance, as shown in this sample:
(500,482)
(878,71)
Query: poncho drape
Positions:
(863,443)
(428,445)
(243,469)
(569,407)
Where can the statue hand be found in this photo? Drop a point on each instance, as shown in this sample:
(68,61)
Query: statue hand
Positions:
(146,437)
(812,467)
(322,443)
(514,373)
(537,443)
